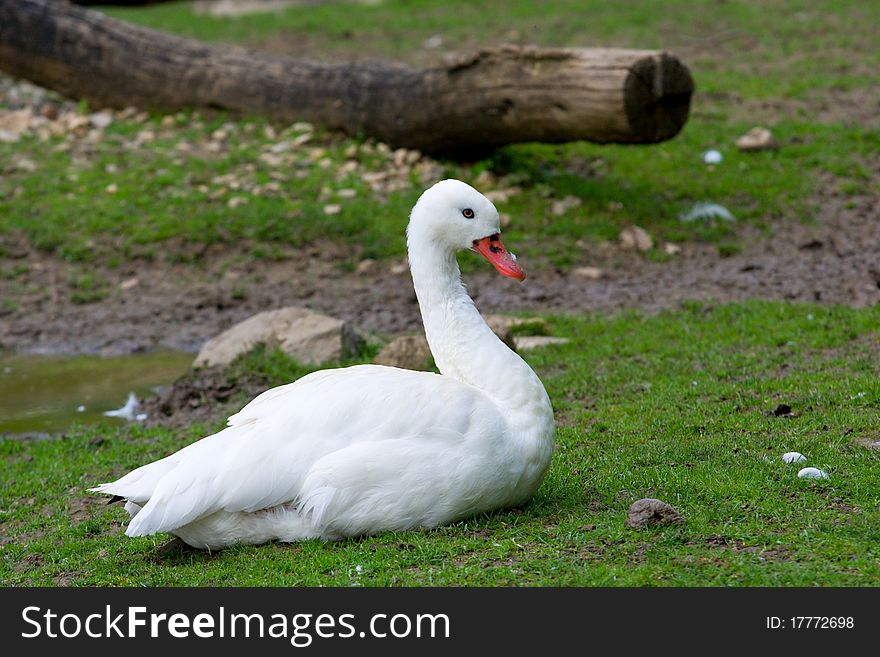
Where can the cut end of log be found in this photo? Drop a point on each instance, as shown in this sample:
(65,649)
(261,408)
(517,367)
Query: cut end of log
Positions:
(657,97)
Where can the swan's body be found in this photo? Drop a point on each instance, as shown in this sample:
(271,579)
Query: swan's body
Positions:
(366,449)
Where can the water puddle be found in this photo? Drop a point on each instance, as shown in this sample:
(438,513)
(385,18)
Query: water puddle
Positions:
(52,393)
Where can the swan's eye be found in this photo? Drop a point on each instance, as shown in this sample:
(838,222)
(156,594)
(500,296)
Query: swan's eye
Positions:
(468,213)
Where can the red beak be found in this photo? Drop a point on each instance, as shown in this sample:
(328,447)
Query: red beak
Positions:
(493,250)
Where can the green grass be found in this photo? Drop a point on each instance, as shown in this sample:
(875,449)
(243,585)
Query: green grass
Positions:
(676,406)
(167,203)
(729,40)
(162,197)
(780,49)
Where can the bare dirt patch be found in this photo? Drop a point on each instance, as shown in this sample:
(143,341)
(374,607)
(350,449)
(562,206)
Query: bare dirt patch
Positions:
(722,543)
(179,306)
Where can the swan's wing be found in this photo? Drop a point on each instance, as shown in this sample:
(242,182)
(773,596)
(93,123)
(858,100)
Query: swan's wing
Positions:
(264,457)
(397,484)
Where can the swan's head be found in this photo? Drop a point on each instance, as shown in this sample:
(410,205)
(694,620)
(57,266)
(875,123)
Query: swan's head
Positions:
(454,216)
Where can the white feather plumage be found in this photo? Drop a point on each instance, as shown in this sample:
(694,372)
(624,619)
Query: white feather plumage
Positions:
(366,449)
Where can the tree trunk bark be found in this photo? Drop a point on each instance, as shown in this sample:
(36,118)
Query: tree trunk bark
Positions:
(496,97)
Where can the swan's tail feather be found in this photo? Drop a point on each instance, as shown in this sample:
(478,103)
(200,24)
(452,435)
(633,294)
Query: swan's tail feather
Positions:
(316,503)
(137,485)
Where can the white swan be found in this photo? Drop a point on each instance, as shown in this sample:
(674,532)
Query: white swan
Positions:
(367,449)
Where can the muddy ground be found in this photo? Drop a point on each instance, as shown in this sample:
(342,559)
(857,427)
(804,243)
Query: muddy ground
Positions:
(181,306)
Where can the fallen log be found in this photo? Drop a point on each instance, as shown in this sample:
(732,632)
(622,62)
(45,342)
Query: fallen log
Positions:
(492,98)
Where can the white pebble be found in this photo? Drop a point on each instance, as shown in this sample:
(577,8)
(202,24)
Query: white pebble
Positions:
(712,157)
(101,119)
(80,408)
(794,457)
(812,473)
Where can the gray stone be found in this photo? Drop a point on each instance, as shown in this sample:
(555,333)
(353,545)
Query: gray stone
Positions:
(412,352)
(409,352)
(650,511)
(309,337)
(525,342)
(757,139)
(635,237)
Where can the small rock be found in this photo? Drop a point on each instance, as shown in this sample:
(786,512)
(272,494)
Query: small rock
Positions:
(13,124)
(235,201)
(432,43)
(24,164)
(400,268)
(72,122)
(504,221)
(126,113)
(112,188)
(307,336)
(129,283)
(757,139)
(346,193)
(332,208)
(634,237)
(101,120)
(671,249)
(502,195)
(486,180)
(651,511)
(366,266)
(526,342)
(502,326)
(409,352)
(559,208)
(794,457)
(712,157)
(271,159)
(399,157)
(812,473)
(50,111)
(592,273)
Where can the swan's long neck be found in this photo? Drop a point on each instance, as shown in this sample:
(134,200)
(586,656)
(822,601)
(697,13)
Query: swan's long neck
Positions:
(464,347)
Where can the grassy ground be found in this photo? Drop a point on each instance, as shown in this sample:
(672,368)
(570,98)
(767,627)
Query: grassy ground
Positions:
(676,406)
(752,65)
